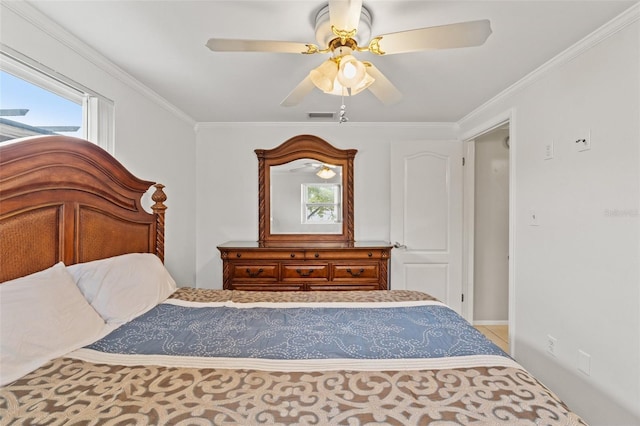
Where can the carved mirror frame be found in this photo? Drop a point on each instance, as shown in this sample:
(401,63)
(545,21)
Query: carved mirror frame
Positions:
(298,147)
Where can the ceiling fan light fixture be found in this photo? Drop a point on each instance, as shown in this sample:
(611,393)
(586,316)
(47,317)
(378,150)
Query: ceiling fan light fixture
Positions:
(349,70)
(325,173)
(352,72)
(364,84)
(339,90)
(323,77)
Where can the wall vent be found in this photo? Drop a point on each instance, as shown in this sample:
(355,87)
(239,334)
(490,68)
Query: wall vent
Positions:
(320,115)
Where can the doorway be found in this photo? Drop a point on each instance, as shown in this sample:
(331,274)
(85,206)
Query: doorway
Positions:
(487,239)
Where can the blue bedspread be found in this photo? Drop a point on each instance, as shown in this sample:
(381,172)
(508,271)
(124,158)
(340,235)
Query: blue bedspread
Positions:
(299,333)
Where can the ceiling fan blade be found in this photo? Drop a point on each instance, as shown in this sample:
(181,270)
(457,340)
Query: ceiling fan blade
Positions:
(312,167)
(235,45)
(345,14)
(305,168)
(463,34)
(382,88)
(301,90)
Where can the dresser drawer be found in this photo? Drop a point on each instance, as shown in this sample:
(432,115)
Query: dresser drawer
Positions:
(276,286)
(304,271)
(345,254)
(251,272)
(264,255)
(342,286)
(356,272)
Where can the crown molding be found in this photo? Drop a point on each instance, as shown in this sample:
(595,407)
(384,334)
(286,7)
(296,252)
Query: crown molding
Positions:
(396,124)
(618,23)
(57,32)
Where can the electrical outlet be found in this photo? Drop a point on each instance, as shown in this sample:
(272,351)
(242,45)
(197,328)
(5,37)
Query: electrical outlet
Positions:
(552,342)
(584,362)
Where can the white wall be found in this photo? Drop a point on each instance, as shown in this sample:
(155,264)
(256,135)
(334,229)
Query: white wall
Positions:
(491,229)
(151,140)
(577,275)
(227,178)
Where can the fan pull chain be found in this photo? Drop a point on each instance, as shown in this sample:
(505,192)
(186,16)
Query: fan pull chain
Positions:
(342,117)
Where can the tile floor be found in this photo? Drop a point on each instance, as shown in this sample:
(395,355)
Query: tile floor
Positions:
(498,334)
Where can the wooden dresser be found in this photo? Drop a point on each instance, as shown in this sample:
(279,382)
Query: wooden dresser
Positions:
(308,266)
(299,249)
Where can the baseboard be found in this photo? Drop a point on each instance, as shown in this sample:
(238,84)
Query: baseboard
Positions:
(491,322)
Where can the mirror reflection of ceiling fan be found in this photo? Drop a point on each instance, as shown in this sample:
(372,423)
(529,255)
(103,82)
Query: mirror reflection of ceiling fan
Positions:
(310,167)
(322,170)
(337,26)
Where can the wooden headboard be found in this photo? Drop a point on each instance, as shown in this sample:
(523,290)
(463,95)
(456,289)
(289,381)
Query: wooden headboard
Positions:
(66,199)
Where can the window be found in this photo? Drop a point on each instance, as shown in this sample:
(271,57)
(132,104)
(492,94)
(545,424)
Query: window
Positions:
(38,101)
(321,203)
(29,110)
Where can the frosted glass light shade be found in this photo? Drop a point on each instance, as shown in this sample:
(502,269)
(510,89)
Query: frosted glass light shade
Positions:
(351,72)
(325,173)
(366,82)
(339,90)
(324,76)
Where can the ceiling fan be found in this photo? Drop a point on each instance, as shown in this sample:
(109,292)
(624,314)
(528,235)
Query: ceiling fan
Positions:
(322,170)
(310,167)
(338,34)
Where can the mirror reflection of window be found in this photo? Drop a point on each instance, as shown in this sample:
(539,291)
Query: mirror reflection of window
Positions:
(321,203)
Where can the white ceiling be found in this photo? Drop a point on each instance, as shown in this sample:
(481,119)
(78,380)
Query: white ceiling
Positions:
(162,44)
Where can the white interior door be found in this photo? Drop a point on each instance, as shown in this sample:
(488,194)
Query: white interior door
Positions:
(426,218)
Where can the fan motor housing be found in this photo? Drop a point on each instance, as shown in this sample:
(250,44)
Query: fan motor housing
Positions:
(324,35)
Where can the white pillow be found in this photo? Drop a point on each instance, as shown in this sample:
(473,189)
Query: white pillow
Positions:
(42,316)
(123,287)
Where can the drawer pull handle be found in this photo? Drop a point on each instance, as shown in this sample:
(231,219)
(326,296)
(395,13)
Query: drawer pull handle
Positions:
(370,254)
(355,274)
(317,255)
(254,274)
(238,254)
(293,255)
(304,274)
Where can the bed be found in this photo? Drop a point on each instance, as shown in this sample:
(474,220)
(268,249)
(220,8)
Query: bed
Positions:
(95,331)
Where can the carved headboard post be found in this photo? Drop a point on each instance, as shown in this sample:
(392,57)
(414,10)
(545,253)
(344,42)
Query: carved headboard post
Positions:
(159,208)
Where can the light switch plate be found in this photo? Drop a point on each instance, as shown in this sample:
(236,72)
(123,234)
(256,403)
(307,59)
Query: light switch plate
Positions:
(583,141)
(548,150)
(533,218)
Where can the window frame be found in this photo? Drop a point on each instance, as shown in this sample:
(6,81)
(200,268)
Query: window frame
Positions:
(98,125)
(337,192)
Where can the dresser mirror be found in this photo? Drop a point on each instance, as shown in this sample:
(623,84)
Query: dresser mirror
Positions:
(306,198)
(305,190)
